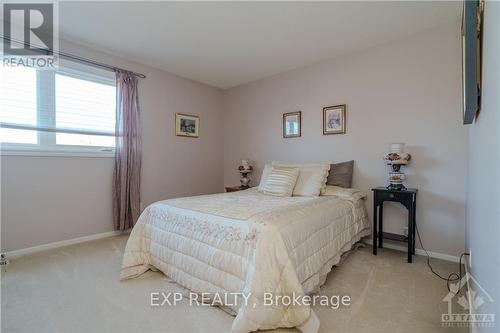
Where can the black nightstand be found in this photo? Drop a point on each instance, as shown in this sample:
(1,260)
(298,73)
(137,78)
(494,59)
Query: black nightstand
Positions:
(407,198)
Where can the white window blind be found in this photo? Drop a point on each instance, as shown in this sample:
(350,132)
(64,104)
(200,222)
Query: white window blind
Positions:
(18,104)
(95,111)
(72,109)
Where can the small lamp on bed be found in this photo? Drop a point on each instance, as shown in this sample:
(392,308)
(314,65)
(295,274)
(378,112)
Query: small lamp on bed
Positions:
(245,168)
(395,159)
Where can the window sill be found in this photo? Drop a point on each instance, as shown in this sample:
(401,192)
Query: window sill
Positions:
(57,153)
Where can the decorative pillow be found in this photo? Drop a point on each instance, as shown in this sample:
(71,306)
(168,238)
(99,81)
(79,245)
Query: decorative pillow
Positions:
(312,178)
(265,172)
(341,174)
(281,181)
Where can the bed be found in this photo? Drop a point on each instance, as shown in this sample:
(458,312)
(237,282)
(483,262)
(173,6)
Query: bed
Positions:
(251,243)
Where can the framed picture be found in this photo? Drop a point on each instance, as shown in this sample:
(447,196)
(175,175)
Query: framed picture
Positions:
(187,125)
(292,124)
(334,119)
(472,35)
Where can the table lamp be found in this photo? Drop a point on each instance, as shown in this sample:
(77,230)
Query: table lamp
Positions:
(245,168)
(395,159)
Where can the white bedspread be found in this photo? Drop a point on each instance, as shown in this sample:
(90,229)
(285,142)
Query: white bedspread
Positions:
(248,242)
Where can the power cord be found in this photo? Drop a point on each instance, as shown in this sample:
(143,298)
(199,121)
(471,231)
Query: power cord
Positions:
(452,277)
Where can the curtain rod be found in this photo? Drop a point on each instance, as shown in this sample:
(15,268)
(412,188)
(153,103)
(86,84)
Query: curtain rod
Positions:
(72,57)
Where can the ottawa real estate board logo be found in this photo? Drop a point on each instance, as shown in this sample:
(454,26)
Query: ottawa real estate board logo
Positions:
(465,300)
(30,34)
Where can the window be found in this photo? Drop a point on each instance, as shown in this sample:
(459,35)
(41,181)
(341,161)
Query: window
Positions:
(71,110)
(95,111)
(18,103)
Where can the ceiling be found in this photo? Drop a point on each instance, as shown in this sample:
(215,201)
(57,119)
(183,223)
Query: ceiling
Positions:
(225,44)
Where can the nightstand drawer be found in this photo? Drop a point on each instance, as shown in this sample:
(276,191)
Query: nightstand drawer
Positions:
(391,196)
(404,197)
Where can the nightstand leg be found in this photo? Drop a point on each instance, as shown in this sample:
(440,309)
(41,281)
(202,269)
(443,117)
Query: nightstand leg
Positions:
(410,233)
(374,229)
(414,222)
(380,224)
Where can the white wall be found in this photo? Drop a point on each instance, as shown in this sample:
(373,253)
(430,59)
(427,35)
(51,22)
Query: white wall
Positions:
(48,199)
(406,91)
(483,186)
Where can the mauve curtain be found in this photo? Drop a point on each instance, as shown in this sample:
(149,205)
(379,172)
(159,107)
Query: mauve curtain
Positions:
(127,171)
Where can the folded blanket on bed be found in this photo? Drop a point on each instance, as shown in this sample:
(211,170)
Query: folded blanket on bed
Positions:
(247,242)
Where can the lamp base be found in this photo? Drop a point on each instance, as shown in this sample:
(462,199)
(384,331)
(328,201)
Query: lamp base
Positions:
(244,180)
(396,187)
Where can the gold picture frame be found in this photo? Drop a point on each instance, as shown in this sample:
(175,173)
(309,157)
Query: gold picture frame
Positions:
(292,124)
(334,119)
(187,125)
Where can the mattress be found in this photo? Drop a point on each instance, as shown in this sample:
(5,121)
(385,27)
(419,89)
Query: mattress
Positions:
(251,243)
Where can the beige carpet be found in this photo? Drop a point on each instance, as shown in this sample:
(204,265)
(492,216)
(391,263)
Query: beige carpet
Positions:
(76,289)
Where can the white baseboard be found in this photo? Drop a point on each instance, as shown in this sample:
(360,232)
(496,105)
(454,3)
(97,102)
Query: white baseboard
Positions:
(30,250)
(421,252)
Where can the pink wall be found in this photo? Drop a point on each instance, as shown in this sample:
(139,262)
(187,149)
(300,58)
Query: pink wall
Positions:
(49,199)
(408,90)
(405,91)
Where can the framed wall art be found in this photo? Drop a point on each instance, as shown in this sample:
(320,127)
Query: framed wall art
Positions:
(472,40)
(187,125)
(334,119)
(292,124)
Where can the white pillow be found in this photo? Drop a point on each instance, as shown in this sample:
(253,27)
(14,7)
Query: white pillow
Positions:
(265,172)
(312,178)
(281,181)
